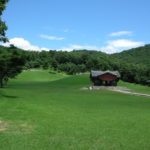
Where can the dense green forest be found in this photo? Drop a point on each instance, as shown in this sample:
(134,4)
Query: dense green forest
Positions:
(140,55)
(132,64)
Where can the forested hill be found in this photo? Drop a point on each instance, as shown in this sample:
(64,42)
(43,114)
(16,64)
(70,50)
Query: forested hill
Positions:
(133,65)
(140,55)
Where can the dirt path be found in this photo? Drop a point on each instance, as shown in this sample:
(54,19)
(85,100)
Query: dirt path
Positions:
(116,89)
(132,93)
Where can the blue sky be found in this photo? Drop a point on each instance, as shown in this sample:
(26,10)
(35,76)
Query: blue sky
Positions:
(106,25)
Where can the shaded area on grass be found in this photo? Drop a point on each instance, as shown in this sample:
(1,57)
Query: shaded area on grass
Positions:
(3,94)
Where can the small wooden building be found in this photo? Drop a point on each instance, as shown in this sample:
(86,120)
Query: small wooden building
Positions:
(107,78)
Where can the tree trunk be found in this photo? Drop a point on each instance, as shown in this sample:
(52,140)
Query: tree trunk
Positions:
(1,83)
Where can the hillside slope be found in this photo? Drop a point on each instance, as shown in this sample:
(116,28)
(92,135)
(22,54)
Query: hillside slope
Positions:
(140,55)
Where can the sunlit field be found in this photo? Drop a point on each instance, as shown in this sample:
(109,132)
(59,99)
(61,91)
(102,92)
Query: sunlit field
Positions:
(49,111)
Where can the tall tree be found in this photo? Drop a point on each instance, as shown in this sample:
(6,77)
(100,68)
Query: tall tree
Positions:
(12,61)
(3,26)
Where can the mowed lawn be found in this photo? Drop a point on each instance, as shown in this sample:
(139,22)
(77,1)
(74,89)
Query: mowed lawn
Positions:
(47,111)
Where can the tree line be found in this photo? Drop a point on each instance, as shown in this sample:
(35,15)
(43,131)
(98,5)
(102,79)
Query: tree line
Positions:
(14,60)
(80,61)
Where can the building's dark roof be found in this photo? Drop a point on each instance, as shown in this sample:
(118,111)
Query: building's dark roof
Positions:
(98,73)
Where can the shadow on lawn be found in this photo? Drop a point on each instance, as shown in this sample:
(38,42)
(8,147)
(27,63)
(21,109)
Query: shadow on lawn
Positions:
(2,94)
(8,96)
(67,82)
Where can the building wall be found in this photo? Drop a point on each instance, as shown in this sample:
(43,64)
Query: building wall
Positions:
(107,77)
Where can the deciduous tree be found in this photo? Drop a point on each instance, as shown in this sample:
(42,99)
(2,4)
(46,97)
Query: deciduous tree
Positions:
(3,26)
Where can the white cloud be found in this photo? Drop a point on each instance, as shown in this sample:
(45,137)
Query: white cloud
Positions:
(79,47)
(51,37)
(124,43)
(120,33)
(112,46)
(23,44)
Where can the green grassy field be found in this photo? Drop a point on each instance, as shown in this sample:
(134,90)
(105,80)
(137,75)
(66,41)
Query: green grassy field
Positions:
(47,111)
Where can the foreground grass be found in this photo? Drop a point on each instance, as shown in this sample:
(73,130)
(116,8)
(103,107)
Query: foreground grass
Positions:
(43,111)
